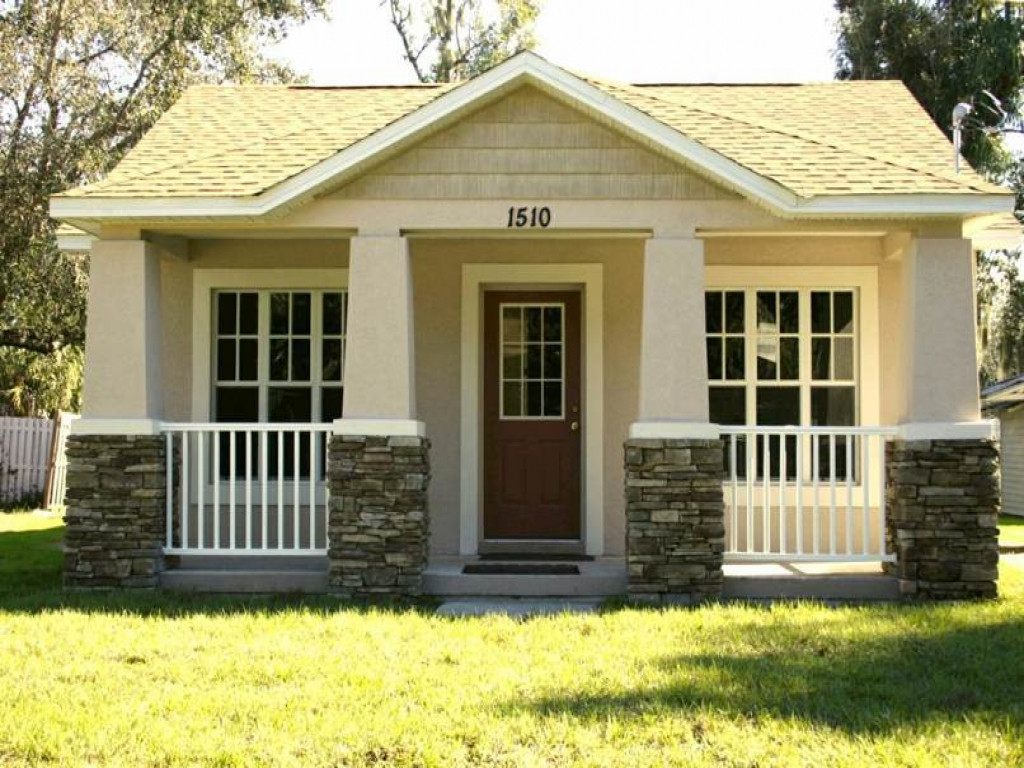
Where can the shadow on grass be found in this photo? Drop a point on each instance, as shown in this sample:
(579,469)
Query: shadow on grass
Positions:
(940,666)
(30,582)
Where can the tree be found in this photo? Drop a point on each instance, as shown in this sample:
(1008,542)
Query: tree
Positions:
(946,52)
(448,40)
(80,82)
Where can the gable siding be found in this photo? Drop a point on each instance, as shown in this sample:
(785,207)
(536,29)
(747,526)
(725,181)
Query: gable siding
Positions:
(529,145)
(1012,461)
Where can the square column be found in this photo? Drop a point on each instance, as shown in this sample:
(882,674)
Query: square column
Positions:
(942,483)
(673,361)
(123,370)
(378,468)
(380,355)
(675,530)
(116,486)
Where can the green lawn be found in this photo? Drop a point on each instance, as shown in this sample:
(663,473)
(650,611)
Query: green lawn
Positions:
(1011,531)
(169,680)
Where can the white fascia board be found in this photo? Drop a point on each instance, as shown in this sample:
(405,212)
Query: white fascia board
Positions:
(527,67)
(75,243)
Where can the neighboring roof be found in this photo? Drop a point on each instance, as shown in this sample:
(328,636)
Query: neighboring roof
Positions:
(818,148)
(1003,394)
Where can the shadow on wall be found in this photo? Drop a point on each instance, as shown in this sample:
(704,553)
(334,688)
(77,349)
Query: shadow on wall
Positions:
(924,664)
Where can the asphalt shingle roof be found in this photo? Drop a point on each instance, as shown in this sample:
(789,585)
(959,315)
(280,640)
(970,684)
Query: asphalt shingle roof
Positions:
(864,137)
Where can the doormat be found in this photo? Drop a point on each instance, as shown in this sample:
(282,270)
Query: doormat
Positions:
(521,569)
(536,557)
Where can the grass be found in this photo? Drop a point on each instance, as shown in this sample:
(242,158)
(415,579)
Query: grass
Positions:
(1011,531)
(153,679)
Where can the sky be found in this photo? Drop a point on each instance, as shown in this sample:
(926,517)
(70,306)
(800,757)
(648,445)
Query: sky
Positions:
(653,41)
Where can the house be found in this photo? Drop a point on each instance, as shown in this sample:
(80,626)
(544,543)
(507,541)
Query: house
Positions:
(1003,401)
(394,335)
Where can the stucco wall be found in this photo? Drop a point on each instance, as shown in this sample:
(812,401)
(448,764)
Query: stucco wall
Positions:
(437,270)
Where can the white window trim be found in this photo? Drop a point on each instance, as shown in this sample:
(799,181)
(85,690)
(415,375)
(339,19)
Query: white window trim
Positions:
(206,281)
(863,280)
(475,277)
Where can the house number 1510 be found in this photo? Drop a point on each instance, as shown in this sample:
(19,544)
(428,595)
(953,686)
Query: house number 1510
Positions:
(522,217)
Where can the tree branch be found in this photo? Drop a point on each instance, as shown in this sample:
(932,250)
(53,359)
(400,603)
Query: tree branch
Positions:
(35,341)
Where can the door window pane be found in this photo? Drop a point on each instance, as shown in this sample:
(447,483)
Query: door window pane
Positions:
(226,359)
(714,352)
(301,310)
(789,312)
(735,362)
(821,313)
(734,312)
(248,314)
(531,371)
(235,404)
(713,312)
(833,407)
(842,316)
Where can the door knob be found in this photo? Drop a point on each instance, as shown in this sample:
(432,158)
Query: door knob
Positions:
(574,426)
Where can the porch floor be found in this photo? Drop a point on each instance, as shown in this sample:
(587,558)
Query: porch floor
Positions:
(603,577)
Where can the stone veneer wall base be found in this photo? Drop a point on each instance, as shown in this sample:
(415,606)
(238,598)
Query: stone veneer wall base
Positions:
(116,507)
(943,505)
(378,525)
(675,520)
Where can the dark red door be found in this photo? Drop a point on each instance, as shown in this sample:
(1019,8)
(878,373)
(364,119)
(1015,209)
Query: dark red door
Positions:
(532,419)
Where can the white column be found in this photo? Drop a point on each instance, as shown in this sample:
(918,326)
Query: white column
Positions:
(122,390)
(939,358)
(380,386)
(673,362)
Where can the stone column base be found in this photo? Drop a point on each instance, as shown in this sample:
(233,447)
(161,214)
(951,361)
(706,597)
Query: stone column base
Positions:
(377,525)
(943,503)
(116,511)
(675,520)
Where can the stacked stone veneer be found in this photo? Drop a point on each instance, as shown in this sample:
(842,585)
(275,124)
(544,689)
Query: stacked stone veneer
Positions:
(378,526)
(116,507)
(675,529)
(943,500)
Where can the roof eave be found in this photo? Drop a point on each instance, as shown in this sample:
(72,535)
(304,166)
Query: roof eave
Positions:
(527,68)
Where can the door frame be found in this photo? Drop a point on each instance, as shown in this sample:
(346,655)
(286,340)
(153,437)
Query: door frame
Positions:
(476,278)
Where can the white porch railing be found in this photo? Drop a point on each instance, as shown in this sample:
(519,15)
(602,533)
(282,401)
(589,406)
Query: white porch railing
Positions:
(246,489)
(805,493)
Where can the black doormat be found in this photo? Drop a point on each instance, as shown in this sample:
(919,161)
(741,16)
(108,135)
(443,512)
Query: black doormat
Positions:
(522,569)
(536,557)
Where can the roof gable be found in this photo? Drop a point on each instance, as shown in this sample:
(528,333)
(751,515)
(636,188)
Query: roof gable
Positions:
(529,145)
(320,147)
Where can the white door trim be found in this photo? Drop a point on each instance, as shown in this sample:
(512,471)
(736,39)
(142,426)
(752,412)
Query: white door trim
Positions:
(523,276)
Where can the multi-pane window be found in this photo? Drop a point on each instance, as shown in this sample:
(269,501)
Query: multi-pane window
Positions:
(532,361)
(279,357)
(782,357)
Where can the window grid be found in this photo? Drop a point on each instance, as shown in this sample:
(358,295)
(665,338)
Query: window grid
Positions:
(522,395)
(316,339)
(804,337)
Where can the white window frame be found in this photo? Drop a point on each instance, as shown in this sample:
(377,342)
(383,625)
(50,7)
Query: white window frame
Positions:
(863,281)
(205,282)
(263,381)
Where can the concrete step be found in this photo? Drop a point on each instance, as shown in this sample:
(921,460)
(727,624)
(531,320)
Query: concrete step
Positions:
(852,586)
(248,562)
(245,580)
(600,578)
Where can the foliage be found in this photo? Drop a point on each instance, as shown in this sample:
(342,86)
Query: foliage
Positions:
(448,40)
(951,51)
(80,82)
(153,678)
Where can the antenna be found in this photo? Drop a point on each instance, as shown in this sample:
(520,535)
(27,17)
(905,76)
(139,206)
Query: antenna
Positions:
(960,113)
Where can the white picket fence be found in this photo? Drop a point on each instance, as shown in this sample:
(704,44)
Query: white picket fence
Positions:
(32,461)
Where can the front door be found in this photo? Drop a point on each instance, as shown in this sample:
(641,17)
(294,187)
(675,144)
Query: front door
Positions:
(532,418)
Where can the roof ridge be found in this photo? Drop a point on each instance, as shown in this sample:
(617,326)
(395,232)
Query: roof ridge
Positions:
(816,139)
